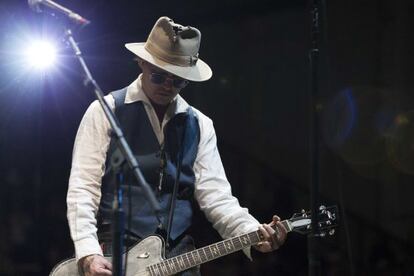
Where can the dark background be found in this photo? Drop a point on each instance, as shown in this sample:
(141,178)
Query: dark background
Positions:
(259,100)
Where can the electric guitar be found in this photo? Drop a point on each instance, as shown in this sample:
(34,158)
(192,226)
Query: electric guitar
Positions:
(146,258)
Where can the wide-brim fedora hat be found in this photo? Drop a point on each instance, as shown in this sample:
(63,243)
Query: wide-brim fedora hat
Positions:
(173,48)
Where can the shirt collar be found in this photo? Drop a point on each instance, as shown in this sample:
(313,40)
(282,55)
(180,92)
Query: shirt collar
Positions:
(136,94)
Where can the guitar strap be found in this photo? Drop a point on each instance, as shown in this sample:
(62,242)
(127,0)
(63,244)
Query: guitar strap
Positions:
(177,181)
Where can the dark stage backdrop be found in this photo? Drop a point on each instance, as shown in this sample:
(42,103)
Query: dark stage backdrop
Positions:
(258,99)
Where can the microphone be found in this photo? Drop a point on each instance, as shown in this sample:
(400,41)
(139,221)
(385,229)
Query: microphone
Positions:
(35,5)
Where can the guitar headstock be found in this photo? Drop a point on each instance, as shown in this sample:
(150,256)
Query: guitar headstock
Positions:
(327,221)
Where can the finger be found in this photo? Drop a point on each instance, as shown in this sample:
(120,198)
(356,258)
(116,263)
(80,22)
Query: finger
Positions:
(107,264)
(274,220)
(101,267)
(272,236)
(276,243)
(282,229)
(281,233)
(277,234)
(270,231)
(268,243)
(103,271)
(264,247)
(265,232)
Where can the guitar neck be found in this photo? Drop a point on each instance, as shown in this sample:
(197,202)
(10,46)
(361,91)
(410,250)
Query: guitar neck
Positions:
(205,254)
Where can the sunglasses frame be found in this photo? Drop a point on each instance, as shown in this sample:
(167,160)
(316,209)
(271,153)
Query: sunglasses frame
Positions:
(160,78)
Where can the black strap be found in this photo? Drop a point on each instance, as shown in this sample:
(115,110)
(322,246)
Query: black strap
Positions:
(177,180)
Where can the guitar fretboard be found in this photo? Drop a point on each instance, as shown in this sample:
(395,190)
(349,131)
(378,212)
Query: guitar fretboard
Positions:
(191,259)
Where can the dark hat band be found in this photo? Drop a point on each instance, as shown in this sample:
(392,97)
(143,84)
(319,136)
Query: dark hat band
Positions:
(179,60)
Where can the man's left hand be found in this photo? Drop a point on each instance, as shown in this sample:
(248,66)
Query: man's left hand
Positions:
(272,238)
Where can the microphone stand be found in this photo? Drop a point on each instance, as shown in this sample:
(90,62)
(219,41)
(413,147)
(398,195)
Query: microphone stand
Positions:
(118,224)
(314,261)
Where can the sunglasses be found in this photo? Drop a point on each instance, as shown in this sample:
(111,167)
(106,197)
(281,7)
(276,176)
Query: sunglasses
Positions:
(160,78)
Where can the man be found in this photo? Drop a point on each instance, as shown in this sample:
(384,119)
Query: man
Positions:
(175,144)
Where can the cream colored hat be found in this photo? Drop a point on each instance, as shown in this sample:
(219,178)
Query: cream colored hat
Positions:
(173,48)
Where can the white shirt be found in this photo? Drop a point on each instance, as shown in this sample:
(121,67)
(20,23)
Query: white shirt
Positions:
(212,189)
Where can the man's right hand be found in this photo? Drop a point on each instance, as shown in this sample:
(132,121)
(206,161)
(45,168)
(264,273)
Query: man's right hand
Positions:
(95,265)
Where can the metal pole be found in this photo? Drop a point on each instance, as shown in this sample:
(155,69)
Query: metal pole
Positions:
(314,143)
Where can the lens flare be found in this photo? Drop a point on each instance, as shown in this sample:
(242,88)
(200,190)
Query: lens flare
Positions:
(41,54)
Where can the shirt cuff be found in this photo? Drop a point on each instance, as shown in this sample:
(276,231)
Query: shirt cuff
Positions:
(86,247)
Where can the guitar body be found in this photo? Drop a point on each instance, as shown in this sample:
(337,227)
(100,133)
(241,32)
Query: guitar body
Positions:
(145,253)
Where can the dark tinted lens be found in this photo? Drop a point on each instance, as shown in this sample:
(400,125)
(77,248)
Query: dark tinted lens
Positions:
(157,78)
(180,83)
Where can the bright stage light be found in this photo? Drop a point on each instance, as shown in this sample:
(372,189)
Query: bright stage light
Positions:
(40,54)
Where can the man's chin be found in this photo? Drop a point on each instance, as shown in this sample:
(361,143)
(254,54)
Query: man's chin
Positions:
(162,101)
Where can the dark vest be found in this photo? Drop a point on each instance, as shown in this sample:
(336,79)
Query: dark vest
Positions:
(181,133)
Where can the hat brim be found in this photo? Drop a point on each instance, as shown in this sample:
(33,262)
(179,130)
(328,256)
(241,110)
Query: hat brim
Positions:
(200,72)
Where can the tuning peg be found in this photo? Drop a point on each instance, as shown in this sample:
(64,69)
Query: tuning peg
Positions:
(331,232)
